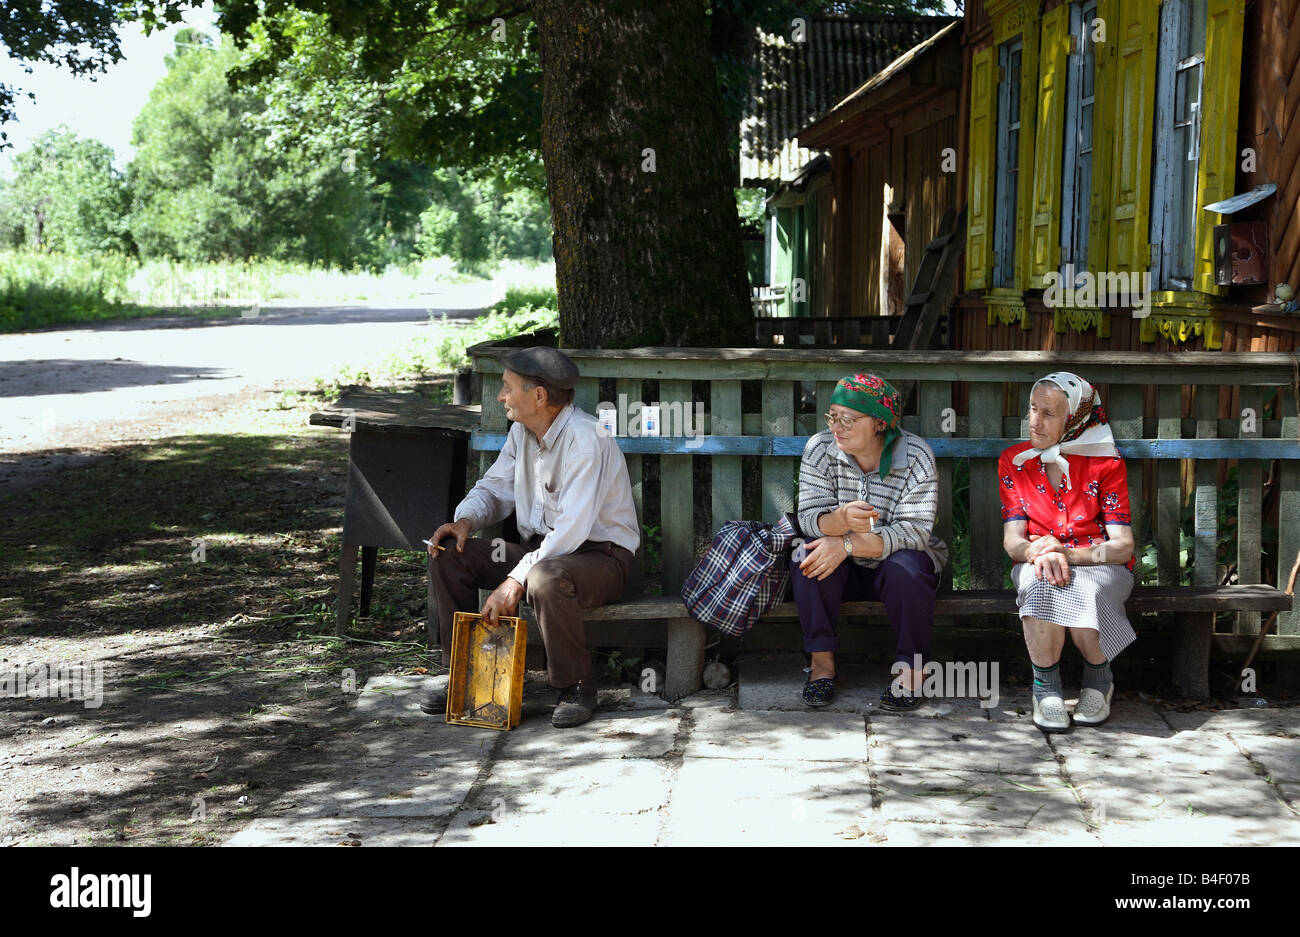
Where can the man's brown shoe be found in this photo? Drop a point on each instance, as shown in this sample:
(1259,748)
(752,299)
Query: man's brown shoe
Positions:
(434,701)
(575,705)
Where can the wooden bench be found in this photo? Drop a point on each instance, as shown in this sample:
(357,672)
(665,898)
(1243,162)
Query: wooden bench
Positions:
(969,406)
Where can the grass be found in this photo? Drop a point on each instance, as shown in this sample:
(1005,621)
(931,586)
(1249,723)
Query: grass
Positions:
(39,290)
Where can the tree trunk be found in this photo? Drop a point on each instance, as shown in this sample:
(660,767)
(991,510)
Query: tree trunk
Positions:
(647,241)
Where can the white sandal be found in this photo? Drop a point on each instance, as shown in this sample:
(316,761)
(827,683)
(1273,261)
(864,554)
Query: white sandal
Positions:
(1050,714)
(1093,708)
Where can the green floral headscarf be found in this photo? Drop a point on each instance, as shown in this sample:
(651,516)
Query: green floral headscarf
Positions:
(875,397)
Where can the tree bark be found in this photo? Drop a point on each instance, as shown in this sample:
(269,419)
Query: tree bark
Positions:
(647,242)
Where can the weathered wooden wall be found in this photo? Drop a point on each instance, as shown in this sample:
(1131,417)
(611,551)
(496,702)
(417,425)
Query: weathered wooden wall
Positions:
(1269,123)
(1242,331)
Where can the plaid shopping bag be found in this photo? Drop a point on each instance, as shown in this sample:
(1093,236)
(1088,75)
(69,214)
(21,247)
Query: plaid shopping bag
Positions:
(744,573)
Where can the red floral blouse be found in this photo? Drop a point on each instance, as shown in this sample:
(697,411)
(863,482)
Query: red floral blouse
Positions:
(1076,517)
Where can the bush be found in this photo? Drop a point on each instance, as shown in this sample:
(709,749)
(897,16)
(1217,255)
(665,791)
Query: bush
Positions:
(523,310)
(39,289)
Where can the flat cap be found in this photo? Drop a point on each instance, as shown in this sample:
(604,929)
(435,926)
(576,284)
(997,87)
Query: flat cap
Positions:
(549,365)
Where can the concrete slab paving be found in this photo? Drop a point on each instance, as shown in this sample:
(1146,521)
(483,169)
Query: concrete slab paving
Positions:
(778,736)
(385,791)
(579,787)
(704,772)
(1194,831)
(632,734)
(1251,802)
(477,828)
(773,802)
(904,833)
(1089,752)
(1282,722)
(332,831)
(392,697)
(968,798)
(961,745)
(1279,756)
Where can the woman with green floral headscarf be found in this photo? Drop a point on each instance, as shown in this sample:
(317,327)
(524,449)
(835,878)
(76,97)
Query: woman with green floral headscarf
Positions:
(868,492)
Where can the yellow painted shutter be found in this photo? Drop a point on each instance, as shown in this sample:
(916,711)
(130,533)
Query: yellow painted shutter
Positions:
(1217,172)
(1028,114)
(1103,140)
(1134,116)
(1045,234)
(979,225)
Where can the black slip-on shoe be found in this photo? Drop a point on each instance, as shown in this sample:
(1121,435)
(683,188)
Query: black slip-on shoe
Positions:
(574,706)
(819,692)
(905,703)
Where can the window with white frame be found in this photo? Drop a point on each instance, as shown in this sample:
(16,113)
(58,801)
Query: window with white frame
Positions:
(1007,178)
(1179,69)
(1076,175)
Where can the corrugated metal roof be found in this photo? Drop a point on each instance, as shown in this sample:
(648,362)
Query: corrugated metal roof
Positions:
(793,83)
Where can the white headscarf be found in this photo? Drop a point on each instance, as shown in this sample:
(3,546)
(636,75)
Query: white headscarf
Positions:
(1086,430)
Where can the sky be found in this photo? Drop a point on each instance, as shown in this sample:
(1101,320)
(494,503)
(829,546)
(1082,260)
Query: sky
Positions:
(103,109)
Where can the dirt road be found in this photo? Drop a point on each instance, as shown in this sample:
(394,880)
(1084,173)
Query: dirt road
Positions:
(78,389)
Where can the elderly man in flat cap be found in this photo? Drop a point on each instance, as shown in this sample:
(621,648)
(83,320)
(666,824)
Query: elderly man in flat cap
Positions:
(567,483)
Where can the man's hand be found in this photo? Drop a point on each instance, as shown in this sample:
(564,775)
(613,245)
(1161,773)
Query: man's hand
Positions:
(860,517)
(504,600)
(1052,566)
(458,529)
(822,557)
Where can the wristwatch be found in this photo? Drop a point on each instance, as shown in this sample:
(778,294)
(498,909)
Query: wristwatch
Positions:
(848,545)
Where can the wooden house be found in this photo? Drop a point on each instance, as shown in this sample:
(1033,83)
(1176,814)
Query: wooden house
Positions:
(798,76)
(1089,136)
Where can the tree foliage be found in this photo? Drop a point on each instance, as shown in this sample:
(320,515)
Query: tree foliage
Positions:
(210,182)
(478,219)
(65,196)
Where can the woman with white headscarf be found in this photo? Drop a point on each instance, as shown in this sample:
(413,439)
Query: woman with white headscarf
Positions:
(1066,526)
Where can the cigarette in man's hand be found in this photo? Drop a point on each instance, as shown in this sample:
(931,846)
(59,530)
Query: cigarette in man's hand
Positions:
(437,547)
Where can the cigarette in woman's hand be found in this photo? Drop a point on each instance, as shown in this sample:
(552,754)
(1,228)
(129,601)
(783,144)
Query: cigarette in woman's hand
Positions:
(434,545)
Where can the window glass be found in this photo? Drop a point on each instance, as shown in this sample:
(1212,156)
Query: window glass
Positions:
(1076,174)
(1179,79)
(1008,171)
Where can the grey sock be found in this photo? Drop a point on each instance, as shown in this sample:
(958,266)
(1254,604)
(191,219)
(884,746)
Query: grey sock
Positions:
(1097,676)
(1047,681)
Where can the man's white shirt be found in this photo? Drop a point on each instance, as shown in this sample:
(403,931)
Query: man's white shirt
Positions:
(570,487)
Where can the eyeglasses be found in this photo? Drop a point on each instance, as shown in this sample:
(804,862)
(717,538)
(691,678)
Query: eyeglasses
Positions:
(843,421)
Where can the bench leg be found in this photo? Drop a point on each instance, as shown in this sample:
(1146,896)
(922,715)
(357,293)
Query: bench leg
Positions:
(1191,658)
(347,575)
(368,557)
(685,658)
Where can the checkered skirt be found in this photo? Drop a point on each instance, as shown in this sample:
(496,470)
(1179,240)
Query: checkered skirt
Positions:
(1094,599)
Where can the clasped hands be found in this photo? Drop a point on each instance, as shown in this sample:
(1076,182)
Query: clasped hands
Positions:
(824,555)
(504,599)
(1051,562)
